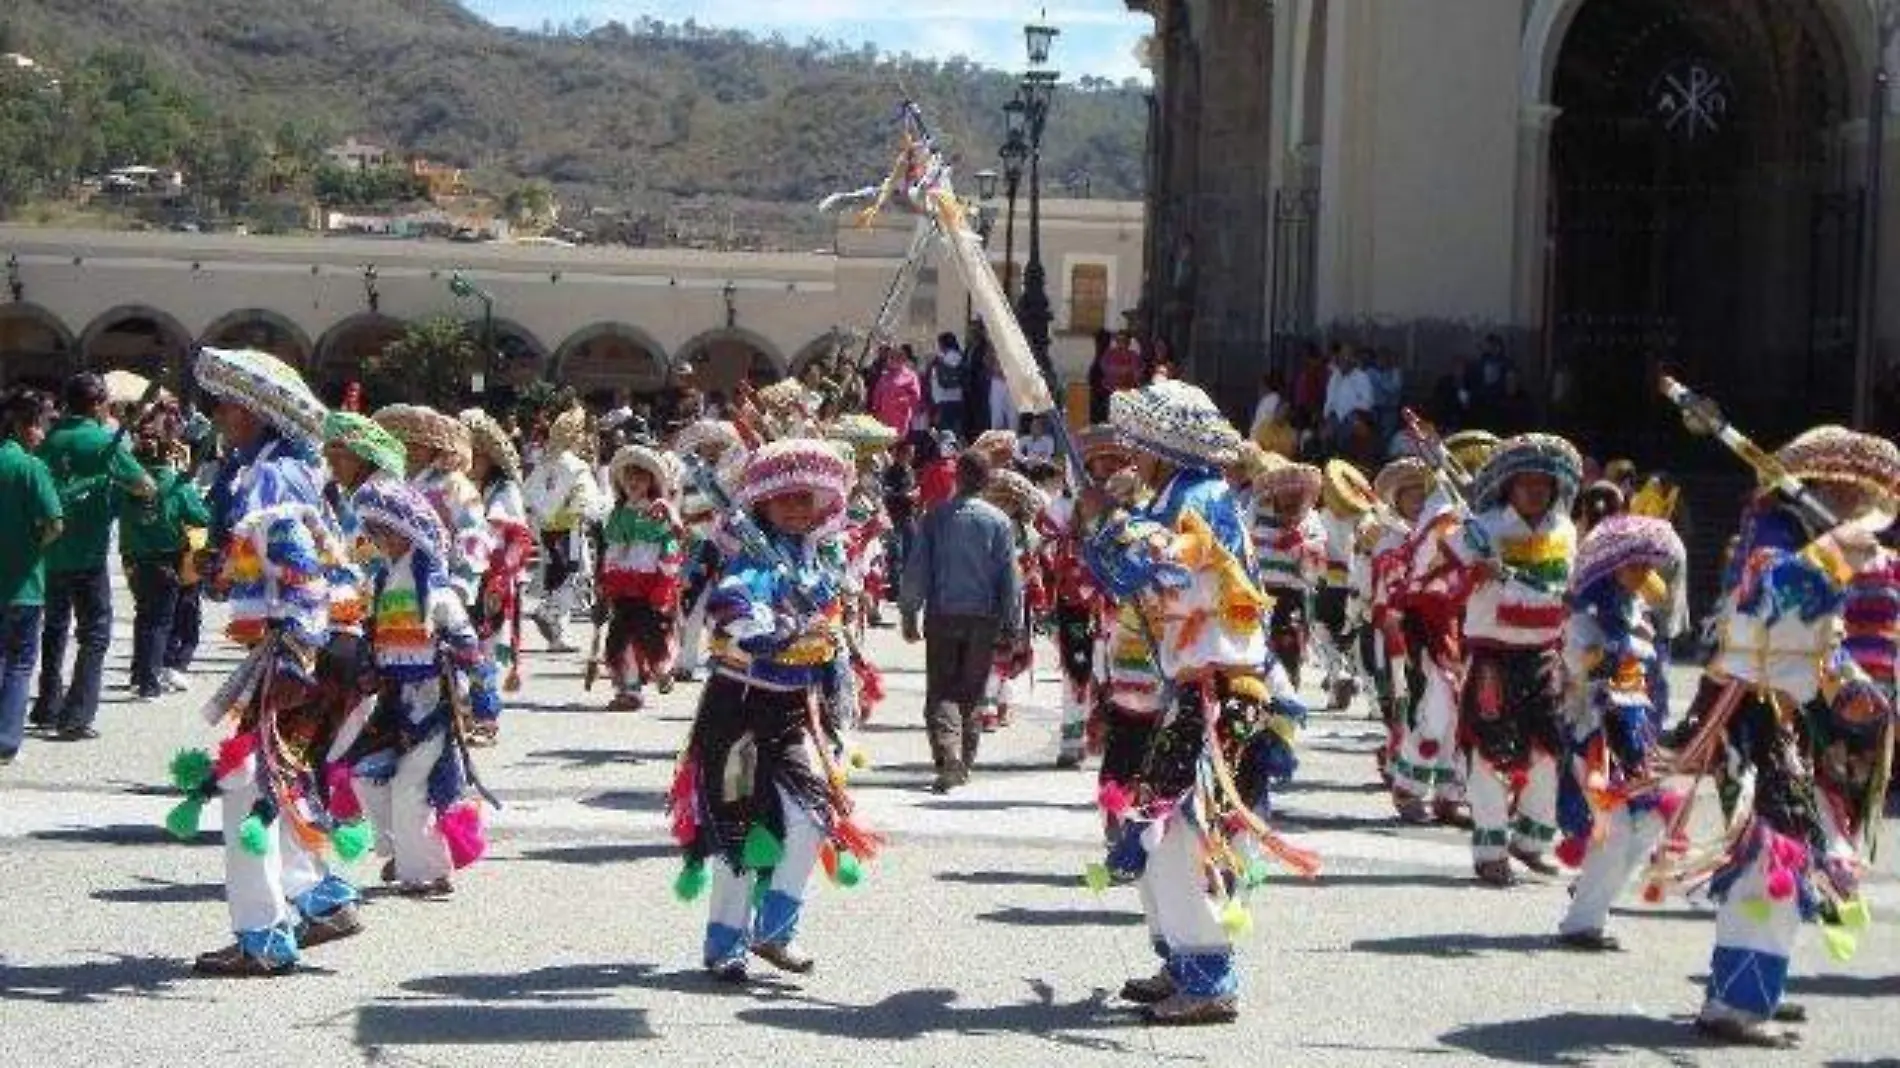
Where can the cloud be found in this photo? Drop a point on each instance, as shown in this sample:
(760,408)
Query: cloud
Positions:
(1097,39)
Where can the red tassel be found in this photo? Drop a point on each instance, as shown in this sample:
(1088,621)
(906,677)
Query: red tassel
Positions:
(1115,799)
(1428,748)
(461,828)
(683,802)
(828,856)
(870,688)
(1669,803)
(344,804)
(233,752)
(1572,851)
(862,843)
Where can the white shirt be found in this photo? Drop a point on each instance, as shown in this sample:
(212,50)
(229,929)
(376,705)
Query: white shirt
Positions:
(1348,393)
(1041,447)
(1002,405)
(1264,413)
(939,394)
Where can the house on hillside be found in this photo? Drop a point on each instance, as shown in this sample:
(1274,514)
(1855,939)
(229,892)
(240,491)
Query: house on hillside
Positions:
(443,179)
(355,155)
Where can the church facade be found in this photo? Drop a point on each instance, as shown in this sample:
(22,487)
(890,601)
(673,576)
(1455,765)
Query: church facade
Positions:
(1615,187)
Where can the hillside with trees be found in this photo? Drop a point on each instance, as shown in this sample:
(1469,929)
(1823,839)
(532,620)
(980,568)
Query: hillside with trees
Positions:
(635,117)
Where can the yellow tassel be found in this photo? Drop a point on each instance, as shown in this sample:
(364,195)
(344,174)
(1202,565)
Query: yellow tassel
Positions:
(1841,943)
(1236,920)
(1855,915)
(1756,910)
(1095,877)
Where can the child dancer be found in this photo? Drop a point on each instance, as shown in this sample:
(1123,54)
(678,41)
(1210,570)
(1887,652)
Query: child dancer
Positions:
(752,812)
(1610,804)
(495,469)
(1013,672)
(1081,612)
(407,766)
(1290,538)
(712,444)
(643,554)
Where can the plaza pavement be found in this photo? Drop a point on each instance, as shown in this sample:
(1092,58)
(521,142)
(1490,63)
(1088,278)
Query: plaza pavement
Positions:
(972,941)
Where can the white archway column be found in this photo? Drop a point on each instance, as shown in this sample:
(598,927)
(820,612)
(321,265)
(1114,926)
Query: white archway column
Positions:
(1533,245)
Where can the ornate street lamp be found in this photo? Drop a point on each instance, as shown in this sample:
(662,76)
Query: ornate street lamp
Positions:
(465,289)
(15,285)
(1038,36)
(1036,92)
(371,294)
(1014,154)
(986,180)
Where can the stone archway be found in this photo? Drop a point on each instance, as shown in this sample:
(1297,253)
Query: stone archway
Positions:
(343,349)
(609,362)
(261,329)
(721,358)
(36,348)
(138,338)
(821,347)
(1696,216)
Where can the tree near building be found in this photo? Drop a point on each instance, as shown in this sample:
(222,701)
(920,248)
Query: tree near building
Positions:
(429,364)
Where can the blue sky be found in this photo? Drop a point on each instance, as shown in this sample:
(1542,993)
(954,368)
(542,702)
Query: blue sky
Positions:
(1098,36)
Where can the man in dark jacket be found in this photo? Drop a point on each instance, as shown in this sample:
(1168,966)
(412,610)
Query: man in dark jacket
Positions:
(962,575)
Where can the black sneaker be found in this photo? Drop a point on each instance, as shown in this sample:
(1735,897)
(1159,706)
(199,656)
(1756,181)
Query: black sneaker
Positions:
(77,734)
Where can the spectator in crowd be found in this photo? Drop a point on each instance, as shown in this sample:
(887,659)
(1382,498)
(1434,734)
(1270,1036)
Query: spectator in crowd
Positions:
(1348,392)
(1388,392)
(1271,406)
(963,578)
(1003,414)
(937,470)
(30,513)
(1098,393)
(152,542)
(92,467)
(1122,366)
(899,484)
(1040,445)
(897,394)
(947,381)
(1309,386)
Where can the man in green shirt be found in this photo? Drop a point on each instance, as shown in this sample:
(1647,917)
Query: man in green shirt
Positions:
(29,519)
(92,466)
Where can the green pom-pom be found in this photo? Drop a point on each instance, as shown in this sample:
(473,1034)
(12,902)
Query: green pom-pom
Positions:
(761,850)
(1841,943)
(1757,910)
(254,835)
(182,820)
(190,768)
(351,840)
(1095,877)
(692,881)
(761,886)
(850,872)
(1257,873)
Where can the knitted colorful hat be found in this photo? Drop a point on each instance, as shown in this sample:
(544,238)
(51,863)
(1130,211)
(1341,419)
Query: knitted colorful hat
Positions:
(1471,448)
(1018,497)
(265,386)
(862,432)
(659,466)
(1621,540)
(395,505)
(798,465)
(1400,475)
(1283,476)
(997,446)
(1175,421)
(488,438)
(708,433)
(1836,454)
(1101,440)
(569,432)
(1528,454)
(366,438)
(425,428)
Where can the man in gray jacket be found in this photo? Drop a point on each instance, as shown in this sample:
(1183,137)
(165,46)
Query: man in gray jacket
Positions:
(962,575)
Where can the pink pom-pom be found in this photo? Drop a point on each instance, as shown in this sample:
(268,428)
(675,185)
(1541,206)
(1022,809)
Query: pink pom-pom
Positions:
(1781,884)
(461,828)
(1115,798)
(1571,851)
(1669,804)
(1790,853)
(344,804)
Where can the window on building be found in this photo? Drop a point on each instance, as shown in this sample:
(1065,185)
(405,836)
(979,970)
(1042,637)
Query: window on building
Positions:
(1088,297)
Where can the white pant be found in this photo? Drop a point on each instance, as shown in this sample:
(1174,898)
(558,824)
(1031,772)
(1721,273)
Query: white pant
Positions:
(258,889)
(731,904)
(405,822)
(1436,727)
(1181,913)
(1625,845)
(1493,828)
(1748,973)
(691,630)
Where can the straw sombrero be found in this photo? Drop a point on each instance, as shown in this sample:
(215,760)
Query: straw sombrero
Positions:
(487,437)
(419,427)
(265,386)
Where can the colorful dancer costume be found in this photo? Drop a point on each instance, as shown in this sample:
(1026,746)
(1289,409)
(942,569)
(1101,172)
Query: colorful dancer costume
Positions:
(643,553)
(1432,587)
(1610,804)
(1083,617)
(1402,487)
(407,767)
(1290,538)
(278,548)
(758,799)
(1333,601)
(496,472)
(1012,675)
(1194,827)
(866,522)
(1508,718)
(441,452)
(715,444)
(1790,855)
(563,498)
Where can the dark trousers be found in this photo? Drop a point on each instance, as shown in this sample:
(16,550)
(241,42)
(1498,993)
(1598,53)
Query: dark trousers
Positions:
(155,605)
(958,653)
(81,600)
(182,649)
(19,650)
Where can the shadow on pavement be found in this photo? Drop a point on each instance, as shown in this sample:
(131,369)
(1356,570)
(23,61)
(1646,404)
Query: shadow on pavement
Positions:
(1569,1038)
(953,805)
(1017,916)
(93,982)
(120,834)
(161,892)
(1455,945)
(1419,879)
(616,853)
(396,1023)
(627,800)
(916,1014)
(583,759)
(555,983)
(1058,880)
(1845,986)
